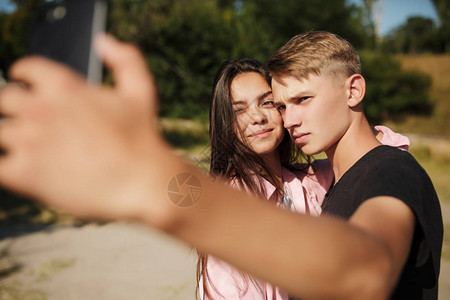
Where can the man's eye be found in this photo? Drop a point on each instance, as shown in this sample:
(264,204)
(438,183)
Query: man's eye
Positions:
(281,107)
(303,99)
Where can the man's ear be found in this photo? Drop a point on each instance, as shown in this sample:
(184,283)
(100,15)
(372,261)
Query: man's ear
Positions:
(357,89)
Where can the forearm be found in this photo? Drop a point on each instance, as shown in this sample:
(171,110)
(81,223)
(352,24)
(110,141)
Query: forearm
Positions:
(299,253)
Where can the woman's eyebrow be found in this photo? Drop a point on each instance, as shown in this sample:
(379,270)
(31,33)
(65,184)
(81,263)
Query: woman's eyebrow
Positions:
(264,95)
(258,99)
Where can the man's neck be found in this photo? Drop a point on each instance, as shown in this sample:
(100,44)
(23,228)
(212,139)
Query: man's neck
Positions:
(356,142)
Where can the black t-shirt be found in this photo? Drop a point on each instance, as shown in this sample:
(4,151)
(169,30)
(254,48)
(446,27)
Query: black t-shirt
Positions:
(388,171)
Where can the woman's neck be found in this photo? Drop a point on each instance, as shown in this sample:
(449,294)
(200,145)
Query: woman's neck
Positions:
(273,162)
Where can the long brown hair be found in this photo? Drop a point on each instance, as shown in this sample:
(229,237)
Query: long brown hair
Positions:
(232,158)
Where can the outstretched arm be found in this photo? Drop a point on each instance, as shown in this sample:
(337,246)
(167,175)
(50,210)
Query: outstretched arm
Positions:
(95,152)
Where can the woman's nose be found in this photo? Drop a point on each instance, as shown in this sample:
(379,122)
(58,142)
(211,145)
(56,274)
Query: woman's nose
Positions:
(257,116)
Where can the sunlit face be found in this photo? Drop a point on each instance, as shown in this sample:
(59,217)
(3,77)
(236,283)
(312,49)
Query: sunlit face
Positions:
(314,110)
(257,120)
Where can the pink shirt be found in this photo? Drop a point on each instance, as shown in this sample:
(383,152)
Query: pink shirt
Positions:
(307,192)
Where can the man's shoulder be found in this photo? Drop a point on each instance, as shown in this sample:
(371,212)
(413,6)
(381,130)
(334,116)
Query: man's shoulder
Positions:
(386,151)
(385,165)
(387,157)
(389,171)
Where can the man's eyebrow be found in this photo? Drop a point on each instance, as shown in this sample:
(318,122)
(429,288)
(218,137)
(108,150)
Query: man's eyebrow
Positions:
(298,95)
(292,99)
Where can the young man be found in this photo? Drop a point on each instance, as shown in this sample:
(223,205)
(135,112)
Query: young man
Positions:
(317,82)
(96,152)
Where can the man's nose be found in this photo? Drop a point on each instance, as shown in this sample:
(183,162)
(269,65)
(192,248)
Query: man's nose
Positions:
(291,119)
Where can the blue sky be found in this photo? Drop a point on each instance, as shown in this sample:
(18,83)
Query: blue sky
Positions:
(394,12)
(5,6)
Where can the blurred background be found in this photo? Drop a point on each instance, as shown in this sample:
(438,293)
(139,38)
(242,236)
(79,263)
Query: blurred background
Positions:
(404,47)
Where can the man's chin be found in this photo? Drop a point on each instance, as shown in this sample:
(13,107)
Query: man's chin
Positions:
(309,150)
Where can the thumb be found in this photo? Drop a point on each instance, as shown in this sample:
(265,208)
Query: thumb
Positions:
(132,77)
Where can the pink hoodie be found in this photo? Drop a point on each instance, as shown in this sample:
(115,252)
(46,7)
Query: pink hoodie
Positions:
(307,192)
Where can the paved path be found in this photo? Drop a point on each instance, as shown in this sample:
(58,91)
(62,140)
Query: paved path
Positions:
(114,261)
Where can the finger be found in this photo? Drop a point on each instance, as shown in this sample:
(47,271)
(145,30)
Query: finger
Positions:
(11,168)
(17,150)
(12,98)
(11,132)
(42,73)
(128,66)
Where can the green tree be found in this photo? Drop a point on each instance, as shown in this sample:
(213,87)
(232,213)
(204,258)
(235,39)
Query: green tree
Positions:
(284,19)
(443,11)
(185,41)
(417,35)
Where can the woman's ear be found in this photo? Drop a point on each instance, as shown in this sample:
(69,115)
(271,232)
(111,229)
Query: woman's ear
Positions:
(357,89)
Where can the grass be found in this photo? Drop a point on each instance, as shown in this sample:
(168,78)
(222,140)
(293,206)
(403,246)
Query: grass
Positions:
(16,291)
(184,134)
(437,169)
(8,264)
(446,245)
(50,268)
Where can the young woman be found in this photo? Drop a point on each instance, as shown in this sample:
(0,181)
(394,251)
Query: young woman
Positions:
(251,148)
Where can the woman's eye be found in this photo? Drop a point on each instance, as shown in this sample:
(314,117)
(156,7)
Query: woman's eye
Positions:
(268,103)
(239,110)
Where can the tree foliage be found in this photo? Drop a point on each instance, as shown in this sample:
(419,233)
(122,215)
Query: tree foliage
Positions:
(284,19)
(417,35)
(186,40)
(443,11)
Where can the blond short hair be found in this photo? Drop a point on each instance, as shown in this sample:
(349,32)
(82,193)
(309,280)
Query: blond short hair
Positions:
(315,52)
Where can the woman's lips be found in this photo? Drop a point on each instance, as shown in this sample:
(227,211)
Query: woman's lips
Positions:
(261,133)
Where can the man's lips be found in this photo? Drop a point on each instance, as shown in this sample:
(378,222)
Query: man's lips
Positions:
(300,138)
(261,133)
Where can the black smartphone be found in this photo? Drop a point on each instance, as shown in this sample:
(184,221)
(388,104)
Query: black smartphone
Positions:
(64,31)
